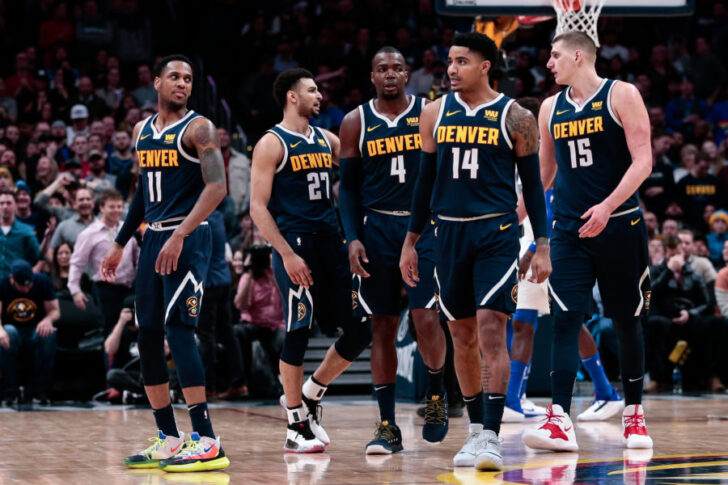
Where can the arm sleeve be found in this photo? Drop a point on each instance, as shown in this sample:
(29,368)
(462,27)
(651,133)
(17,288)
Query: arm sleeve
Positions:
(350,172)
(134,217)
(533,197)
(423,192)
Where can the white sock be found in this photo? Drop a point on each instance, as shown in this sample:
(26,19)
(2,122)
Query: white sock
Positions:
(313,390)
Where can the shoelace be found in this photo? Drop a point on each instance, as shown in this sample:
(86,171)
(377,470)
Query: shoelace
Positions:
(157,443)
(384,432)
(551,417)
(315,410)
(305,431)
(435,411)
(191,448)
(635,420)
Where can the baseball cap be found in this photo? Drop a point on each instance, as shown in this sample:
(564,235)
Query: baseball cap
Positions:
(78,112)
(58,123)
(21,185)
(95,154)
(22,272)
(71,162)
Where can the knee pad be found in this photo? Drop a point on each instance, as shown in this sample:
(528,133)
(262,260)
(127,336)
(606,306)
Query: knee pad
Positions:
(151,356)
(181,340)
(356,337)
(294,347)
(527,316)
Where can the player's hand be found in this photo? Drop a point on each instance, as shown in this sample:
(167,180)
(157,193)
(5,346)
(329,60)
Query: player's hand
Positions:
(169,255)
(79,299)
(110,262)
(357,256)
(45,328)
(525,264)
(682,319)
(598,216)
(540,265)
(298,270)
(4,338)
(408,261)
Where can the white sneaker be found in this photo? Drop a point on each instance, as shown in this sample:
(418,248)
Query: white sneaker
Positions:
(633,423)
(466,455)
(530,409)
(555,432)
(313,415)
(300,439)
(162,448)
(488,455)
(601,410)
(512,416)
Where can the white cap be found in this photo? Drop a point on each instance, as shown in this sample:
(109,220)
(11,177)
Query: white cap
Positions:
(79,111)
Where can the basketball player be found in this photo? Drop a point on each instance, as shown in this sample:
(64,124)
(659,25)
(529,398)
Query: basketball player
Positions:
(596,133)
(182,180)
(472,141)
(380,153)
(292,205)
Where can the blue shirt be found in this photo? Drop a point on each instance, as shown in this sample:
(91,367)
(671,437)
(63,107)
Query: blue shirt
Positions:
(18,243)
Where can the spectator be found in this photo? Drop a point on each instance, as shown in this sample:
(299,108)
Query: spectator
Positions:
(715,157)
(238,166)
(17,240)
(90,246)
(69,229)
(421,80)
(659,187)
(112,92)
(98,180)
(721,285)
(684,112)
(669,227)
(79,161)
(8,102)
(697,189)
(8,160)
(657,252)
(719,117)
(688,154)
(24,211)
(79,123)
(87,97)
(61,266)
(6,179)
(700,246)
(659,73)
(698,264)
(611,48)
(29,308)
(65,186)
(124,373)
(706,71)
(145,94)
(653,226)
(717,237)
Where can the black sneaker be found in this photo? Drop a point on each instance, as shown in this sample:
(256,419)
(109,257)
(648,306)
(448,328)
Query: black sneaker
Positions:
(387,440)
(436,422)
(454,409)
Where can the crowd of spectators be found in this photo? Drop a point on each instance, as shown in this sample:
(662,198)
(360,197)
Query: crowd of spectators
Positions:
(77,76)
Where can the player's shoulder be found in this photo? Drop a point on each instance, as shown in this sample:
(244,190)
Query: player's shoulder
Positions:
(431,109)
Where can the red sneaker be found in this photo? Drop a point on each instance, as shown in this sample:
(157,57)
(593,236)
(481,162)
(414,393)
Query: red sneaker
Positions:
(555,432)
(633,423)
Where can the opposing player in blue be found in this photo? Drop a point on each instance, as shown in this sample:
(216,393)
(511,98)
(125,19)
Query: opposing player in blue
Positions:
(595,148)
(380,156)
(182,180)
(292,203)
(472,141)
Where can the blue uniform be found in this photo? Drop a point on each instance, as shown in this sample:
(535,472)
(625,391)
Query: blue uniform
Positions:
(302,204)
(592,157)
(171,184)
(474,199)
(390,157)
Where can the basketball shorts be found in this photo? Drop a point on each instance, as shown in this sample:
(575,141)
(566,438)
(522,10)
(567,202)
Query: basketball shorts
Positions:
(382,236)
(617,259)
(476,265)
(164,299)
(328,300)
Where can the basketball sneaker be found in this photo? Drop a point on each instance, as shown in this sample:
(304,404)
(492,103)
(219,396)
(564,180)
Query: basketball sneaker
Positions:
(530,409)
(466,455)
(555,432)
(313,413)
(162,448)
(635,466)
(603,409)
(488,455)
(387,440)
(436,419)
(635,432)
(511,415)
(199,454)
(300,439)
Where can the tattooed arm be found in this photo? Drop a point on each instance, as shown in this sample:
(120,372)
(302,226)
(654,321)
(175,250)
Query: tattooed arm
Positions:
(200,135)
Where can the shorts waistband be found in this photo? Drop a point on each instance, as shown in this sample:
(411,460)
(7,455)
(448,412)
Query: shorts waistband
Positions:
(627,211)
(169,224)
(476,218)
(391,213)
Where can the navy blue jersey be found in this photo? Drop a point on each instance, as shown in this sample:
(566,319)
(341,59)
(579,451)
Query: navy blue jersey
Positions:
(475,160)
(591,152)
(302,199)
(170,172)
(390,155)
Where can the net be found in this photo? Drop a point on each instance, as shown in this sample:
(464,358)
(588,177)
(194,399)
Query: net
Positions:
(582,15)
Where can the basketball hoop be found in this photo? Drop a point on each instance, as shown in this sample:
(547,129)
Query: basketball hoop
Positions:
(581,15)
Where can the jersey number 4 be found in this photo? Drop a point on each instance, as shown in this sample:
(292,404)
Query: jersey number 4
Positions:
(154,184)
(581,153)
(398,169)
(315,180)
(469,162)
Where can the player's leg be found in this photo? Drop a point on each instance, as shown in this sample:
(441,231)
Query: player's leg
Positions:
(607,401)
(523,324)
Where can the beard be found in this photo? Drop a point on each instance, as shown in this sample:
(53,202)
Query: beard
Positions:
(393,95)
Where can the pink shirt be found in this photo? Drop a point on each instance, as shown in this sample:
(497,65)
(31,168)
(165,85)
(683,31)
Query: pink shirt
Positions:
(91,246)
(264,306)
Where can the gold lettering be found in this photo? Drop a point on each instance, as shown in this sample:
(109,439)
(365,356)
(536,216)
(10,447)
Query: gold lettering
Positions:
(493,136)
(372,148)
(450,138)
(460,136)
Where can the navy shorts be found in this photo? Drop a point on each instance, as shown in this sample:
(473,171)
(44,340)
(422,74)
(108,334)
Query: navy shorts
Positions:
(477,265)
(164,299)
(617,259)
(328,300)
(382,236)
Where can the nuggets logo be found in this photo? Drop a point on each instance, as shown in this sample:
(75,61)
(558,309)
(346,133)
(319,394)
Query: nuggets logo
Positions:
(322,142)
(413,121)
(22,310)
(354,300)
(597,105)
(169,139)
(514,293)
(491,115)
(193,304)
(300,311)
(648,299)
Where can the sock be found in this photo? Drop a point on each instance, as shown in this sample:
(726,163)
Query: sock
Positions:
(385,398)
(313,390)
(513,398)
(165,420)
(436,380)
(493,404)
(602,387)
(631,358)
(475,407)
(295,415)
(200,418)
(565,356)
(524,383)
(562,387)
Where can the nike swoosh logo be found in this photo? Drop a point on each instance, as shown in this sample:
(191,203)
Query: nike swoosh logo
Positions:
(450,113)
(294,145)
(144,136)
(379,388)
(632,223)
(568,429)
(503,228)
(493,398)
(562,112)
(174,450)
(635,380)
(208,449)
(372,128)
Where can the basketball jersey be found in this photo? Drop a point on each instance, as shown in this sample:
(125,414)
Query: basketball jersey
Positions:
(475,160)
(302,199)
(591,152)
(170,173)
(390,153)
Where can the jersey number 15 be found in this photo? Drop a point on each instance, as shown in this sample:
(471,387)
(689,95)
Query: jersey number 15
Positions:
(581,153)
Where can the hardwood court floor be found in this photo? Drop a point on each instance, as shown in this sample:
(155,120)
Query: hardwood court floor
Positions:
(87,447)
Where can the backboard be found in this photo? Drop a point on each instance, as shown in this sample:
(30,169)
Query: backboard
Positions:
(612,8)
